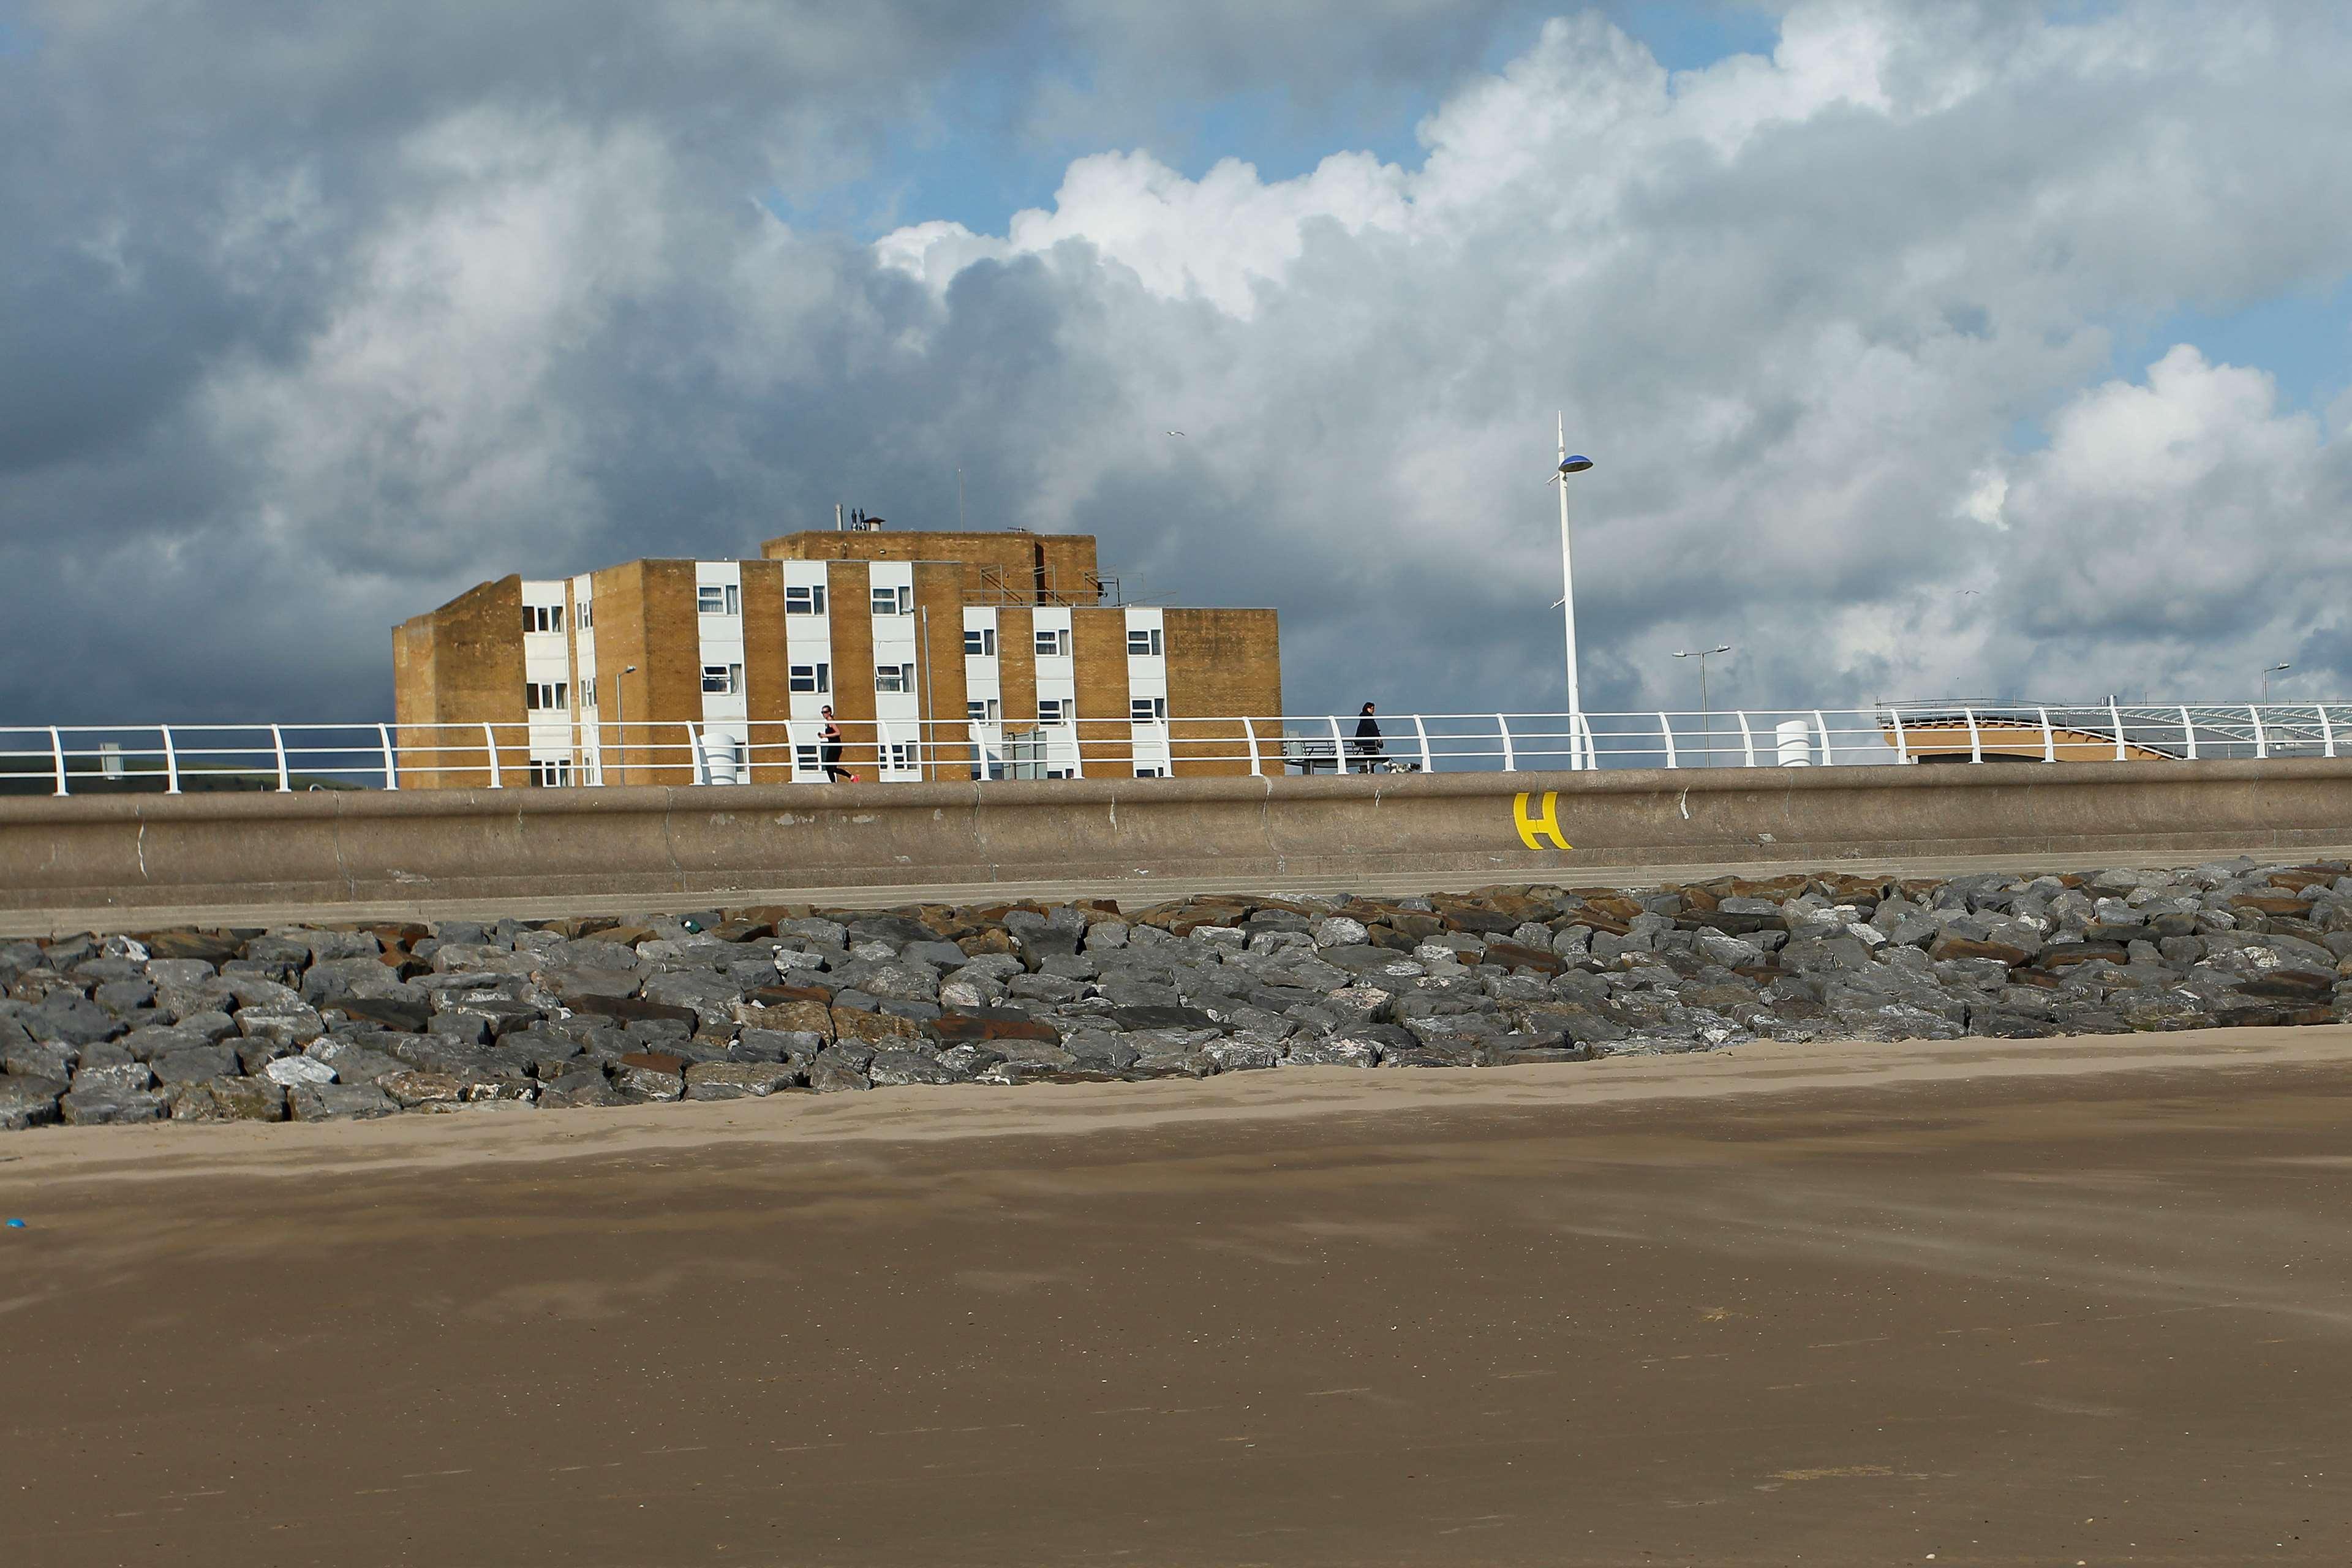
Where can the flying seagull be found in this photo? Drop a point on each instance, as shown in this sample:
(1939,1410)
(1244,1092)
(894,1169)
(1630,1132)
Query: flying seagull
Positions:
(1175,432)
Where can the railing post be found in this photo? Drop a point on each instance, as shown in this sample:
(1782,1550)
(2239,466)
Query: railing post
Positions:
(57,755)
(1338,747)
(1829,753)
(1510,758)
(391,763)
(1975,735)
(1902,742)
(2188,735)
(2327,733)
(701,773)
(1421,734)
(2261,743)
(278,744)
(1584,727)
(171,762)
(1667,730)
(1249,737)
(1747,740)
(2049,737)
(491,740)
(2115,716)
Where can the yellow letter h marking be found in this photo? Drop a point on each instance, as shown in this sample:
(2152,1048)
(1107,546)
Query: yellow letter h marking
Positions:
(1546,823)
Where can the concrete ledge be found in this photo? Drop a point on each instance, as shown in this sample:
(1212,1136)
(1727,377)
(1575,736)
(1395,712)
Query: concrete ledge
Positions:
(1126,835)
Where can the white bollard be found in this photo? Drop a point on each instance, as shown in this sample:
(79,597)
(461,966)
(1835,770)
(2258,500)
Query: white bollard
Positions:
(1795,743)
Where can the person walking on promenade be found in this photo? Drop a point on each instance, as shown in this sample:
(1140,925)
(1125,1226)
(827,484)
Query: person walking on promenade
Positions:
(1368,744)
(833,768)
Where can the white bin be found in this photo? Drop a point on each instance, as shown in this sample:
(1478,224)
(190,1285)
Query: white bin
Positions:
(1795,741)
(718,759)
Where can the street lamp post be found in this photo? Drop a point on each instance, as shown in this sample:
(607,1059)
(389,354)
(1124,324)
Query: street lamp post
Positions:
(621,691)
(2266,679)
(1580,753)
(1706,715)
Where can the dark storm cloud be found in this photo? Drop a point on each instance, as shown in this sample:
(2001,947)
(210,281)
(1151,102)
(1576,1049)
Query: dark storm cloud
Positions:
(311,317)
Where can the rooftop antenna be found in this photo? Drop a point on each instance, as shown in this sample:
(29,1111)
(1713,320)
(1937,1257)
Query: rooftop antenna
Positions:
(836,517)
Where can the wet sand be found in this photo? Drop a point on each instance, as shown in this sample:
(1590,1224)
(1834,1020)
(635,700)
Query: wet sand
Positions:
(2032,1301)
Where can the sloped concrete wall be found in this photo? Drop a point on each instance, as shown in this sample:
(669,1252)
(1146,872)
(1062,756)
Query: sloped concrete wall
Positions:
(131,852)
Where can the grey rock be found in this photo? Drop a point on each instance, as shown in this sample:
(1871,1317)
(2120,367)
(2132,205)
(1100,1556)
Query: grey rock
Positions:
(828,1074)
(1341,1050)
(739,1080)
(893,1067)
(41,1058)
(229,1099)
(338,1102)
(111,1108)
(292,1071)
(28,1099)
(576,1090)
(114,1078)
(195,1065)
(72,1017)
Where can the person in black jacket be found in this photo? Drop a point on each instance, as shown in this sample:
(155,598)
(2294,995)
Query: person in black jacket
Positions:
(1367,743)
(831,738)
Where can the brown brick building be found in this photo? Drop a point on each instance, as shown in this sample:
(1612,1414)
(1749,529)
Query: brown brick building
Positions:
(941,654)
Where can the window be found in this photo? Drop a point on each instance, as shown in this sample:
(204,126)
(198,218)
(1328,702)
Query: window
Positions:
(1143,642)
(550,774)
(1146,709)
(902,754)
(808,600)
(1057,773)
(1143,773)
(806,759)
(583,614)
(982,712)
(893,677)
(719,599)
(546,696)
(1052,639)
(899,601)
(809,677)
(588,692)
(980,642)
(1051,709)
(542,617)
(724,679)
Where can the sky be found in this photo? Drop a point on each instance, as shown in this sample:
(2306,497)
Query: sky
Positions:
(1971,348)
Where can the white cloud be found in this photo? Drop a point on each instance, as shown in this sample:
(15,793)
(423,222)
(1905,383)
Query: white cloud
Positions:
(1800,309)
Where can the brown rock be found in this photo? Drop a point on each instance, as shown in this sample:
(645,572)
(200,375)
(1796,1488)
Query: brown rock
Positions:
(874,1028)
(803,1017)
(954,1028)
(1513,955)
(2069,954)
(416,1088)
(2272,904)
(1946,945)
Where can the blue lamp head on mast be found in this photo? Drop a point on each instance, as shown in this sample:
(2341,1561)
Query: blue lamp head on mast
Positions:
(1575,465)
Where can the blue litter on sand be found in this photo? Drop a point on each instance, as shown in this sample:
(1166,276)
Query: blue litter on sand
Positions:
(16,1225)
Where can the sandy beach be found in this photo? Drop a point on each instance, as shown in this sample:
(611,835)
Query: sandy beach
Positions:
(1996,1301)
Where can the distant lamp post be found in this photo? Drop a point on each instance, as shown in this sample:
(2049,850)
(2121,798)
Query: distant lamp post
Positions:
(620,725)
(1578,754)
(1705,716)
(2266,679)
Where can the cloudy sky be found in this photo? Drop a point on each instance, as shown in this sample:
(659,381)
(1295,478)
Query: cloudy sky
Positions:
(1924,348)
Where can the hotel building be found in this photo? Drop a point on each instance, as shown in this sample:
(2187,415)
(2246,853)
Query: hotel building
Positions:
(942,656)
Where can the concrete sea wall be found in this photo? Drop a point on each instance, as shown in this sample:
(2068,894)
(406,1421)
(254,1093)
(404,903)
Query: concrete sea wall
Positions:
(154,852)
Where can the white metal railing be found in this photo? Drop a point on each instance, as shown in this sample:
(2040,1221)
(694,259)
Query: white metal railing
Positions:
(569,750)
